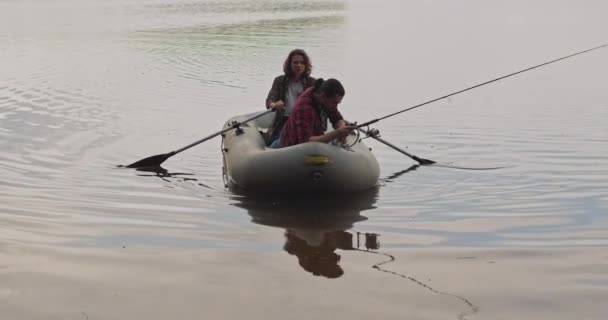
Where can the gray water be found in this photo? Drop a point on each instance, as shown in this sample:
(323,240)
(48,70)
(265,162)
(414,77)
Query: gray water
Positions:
(88,85)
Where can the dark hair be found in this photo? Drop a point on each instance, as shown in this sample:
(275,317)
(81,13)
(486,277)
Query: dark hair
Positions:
(287,64)
(320,261)
(330,87)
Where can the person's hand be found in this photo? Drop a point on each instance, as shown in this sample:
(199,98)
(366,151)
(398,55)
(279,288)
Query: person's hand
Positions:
(343,132)
(278,105)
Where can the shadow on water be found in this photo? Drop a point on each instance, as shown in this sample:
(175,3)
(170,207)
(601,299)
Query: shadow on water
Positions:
(399,174)
(316,226)
(319,226)
(164,174)
(167,176)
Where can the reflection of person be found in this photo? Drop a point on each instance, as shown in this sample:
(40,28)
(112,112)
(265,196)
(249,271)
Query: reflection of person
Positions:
(315,251)
(308,120)
(286,88)
(315,225)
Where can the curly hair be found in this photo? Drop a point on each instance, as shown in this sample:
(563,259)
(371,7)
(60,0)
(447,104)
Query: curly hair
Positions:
(287,64)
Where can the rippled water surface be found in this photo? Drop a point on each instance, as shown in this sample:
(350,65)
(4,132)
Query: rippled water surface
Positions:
(88,85)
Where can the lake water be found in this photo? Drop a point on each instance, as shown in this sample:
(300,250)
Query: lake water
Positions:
(89,85)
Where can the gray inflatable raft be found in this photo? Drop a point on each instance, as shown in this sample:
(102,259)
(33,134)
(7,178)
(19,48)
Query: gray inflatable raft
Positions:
(313,166)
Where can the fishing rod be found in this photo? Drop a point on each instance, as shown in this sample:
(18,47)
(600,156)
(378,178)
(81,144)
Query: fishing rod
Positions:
(365,124)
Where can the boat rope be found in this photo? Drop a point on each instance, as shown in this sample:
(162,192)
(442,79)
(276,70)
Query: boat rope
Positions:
(473,309)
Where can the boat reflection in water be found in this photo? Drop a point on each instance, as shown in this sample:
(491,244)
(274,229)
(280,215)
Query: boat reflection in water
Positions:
(316,226)
(319,258)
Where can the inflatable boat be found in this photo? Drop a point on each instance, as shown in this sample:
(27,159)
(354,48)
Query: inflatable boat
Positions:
(248,164)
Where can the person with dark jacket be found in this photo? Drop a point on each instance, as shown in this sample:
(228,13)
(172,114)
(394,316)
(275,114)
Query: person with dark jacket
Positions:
(286,88)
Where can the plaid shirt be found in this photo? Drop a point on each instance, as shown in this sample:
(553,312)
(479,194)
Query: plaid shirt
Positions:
(305,121)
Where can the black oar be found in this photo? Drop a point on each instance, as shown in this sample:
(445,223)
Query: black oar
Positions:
(422,161)
(375,136)
(156,160)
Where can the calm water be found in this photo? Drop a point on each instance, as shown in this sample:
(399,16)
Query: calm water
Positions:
(89,85)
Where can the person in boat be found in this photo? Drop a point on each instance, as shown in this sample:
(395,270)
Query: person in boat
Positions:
(286,88)
(308,120)
(317,256)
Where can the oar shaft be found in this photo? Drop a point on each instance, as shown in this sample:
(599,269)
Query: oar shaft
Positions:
(223,131)
(420,160)
(158,159)
(203,140)
(388,144)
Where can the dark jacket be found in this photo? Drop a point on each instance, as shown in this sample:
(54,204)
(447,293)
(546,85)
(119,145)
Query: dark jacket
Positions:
(277,92)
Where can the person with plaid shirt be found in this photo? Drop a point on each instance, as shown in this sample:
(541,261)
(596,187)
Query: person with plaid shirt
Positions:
(308,120)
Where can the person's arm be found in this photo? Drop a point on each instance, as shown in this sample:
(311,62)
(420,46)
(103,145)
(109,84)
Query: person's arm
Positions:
(273,99)
(335,117)
(340,133)
(339,124)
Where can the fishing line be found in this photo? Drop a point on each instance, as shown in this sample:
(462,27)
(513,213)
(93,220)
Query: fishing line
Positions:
(479,85)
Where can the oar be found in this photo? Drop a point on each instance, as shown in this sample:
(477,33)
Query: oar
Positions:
(156,160)
(375,136)
(422,161)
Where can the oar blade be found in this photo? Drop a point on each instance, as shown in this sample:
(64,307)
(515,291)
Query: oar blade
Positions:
(152,161)
(423,161)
